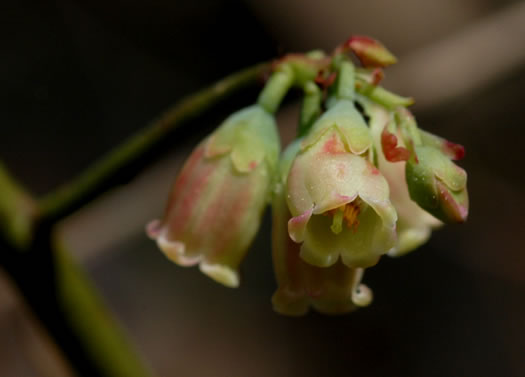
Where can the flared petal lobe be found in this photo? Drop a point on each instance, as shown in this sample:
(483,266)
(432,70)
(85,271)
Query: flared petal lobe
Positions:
(216,204)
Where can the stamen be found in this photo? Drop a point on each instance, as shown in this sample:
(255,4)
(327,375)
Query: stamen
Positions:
(349,213)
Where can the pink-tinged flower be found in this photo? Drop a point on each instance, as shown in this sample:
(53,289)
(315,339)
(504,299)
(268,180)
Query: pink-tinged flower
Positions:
(332,290)
(338,199)
(216,204)
(370,52)
(414,225)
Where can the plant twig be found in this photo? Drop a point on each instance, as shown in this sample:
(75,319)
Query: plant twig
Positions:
(103,340)
(93,180)
(17,211)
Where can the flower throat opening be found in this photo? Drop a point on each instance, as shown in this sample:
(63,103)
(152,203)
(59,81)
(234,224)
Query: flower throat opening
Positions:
(347,213)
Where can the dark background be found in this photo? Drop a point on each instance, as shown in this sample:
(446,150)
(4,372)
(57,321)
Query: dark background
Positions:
(78,77)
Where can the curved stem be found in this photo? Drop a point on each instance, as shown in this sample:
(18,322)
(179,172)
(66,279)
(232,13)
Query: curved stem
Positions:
(276,88)
(100,176)
(310,108)
(382,96)
(105,344)
(17,211)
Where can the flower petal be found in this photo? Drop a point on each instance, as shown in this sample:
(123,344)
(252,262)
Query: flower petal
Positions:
(331,180)
(372,239)
(221,273)
(318,246)
(297,225)
(176,251)
(409,238)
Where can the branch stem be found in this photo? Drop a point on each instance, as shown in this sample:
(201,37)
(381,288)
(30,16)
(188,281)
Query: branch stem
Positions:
(17,211)
(95,179)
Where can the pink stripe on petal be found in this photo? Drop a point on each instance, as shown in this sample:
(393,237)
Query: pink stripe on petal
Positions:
(297,225)
(188,169)
(186,204)
(184,182)
(215,215)
(228,230)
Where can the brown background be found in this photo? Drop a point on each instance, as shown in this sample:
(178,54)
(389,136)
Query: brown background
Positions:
(79,76)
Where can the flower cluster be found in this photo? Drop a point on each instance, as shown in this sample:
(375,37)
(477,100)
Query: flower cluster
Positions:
(360,181)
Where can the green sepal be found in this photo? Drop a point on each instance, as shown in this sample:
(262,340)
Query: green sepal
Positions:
(250,136)
(349,123)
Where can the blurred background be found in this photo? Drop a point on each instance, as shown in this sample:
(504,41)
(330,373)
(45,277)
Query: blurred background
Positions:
(78,77)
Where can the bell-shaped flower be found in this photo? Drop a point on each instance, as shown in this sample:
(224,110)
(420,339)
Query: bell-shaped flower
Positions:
(216,204)
(331,290)
(338,199)
(414,225)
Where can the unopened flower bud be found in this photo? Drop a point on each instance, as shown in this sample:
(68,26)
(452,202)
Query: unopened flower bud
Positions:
(216,204)
(438,185)
(452,150)
(370,52)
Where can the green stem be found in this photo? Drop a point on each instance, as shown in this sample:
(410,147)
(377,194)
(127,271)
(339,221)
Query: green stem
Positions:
(382,96)
(17,211)
(408,126)
(276,88)
(346,81)
(100,175)
(310,109)
(103,340)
